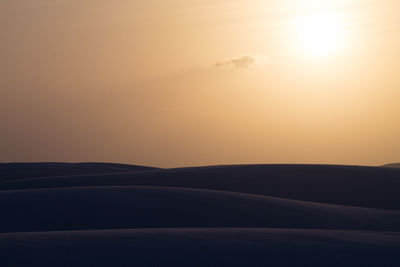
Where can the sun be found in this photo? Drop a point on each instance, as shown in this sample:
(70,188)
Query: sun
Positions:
(320,34)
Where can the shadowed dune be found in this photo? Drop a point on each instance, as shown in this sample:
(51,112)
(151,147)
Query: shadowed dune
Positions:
(372,187)
(14,171)
(201,247)
(392,165)
(162,207)
(97,214)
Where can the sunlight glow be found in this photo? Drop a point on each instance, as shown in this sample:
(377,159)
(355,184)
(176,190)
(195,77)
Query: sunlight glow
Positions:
(320,34)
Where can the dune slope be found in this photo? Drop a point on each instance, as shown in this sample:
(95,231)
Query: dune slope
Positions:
(15,171)
(162,207)
(201,247)
(371,187)
(98,214)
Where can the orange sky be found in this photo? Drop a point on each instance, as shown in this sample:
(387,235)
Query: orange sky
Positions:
(196,82)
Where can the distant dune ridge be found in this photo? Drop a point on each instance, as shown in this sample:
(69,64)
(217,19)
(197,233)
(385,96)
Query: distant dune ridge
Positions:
(13,171)
(392,165)
(86,214)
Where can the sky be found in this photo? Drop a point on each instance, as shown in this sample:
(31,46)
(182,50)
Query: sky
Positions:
(200,82)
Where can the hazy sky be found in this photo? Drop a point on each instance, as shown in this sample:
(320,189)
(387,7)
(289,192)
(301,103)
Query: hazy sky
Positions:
(196,82)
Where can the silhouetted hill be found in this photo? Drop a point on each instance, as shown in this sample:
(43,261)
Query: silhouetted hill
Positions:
(99,214)
(163,207)
(392,165)
(371,187)
(13,171)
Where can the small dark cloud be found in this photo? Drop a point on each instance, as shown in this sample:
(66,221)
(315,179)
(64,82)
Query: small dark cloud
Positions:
(244,61)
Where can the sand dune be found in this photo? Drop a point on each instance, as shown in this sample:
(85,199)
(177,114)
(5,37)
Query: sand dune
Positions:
(392,165)
(15,171)
(201,247)
(371,187)
(162,207)
(95,214)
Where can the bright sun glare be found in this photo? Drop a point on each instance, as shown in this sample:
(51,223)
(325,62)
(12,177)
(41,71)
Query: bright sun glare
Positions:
(320,34)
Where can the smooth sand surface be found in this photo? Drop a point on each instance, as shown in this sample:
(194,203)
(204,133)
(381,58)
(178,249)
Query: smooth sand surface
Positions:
(201,247)
(163,207)
(372,187)
(99,214)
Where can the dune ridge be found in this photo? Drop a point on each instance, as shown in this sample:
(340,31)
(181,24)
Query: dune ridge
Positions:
(371,187)
(22,170)
(392,165)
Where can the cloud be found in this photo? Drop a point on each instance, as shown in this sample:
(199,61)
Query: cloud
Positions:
(243,61)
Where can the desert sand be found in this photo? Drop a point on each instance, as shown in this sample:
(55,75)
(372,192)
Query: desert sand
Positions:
(98,214)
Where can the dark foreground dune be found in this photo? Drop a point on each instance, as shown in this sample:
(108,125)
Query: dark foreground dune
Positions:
(158,207)
(201,247)
(98,214)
